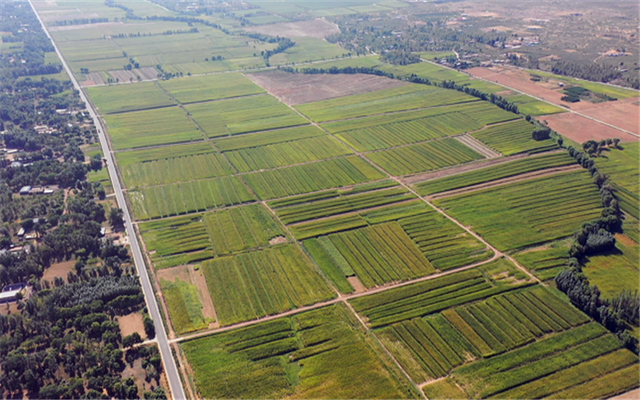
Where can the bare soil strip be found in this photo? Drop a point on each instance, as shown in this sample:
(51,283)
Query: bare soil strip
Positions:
(478,146)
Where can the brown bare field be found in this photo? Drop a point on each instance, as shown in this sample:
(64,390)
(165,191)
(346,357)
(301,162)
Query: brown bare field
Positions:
(60,269)
(9,308)
(318,28)
(356,284)
(631,395)
(581,129)
(294,89)
(92,79)
(131,323)
(622,113)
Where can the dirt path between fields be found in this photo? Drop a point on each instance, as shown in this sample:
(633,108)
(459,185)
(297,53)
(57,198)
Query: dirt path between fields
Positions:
(208,309)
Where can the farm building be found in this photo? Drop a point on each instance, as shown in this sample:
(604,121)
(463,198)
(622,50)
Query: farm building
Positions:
(25,190)
(11,293)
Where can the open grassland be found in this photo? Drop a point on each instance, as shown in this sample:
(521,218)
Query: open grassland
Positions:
(445,244)
(405,97)
(513,138)
(242,115)
(623,169)
(383,131)
(131,97)
(431,296)
(424,156)
(151,127)
(617,270)
(431,347)
(287,153)
(312,177)
(530,106)
(264,282)
(186,197)
(210,87)
(528,212)
(377,255)
(222,232)
(267,138)
(185,307)
(316,354)
(545,262)
(555,367)
(500,171)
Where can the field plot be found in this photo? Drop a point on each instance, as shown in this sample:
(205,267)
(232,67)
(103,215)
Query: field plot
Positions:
(513,168)
(264,282)
(131,97)
(530,106)
(423,157)
(287,153)
(267,138)
(316,354)
(561,366)
(431,347)
(210,87)
(186,197)
(151,127)
(528,212)
(513,138)
(312,177)
(545,262)
(617,270)
(383,131)
(308,49)
(377,254)
(622,167)
(222,232)
(242,115)
(397,99)
(431,296)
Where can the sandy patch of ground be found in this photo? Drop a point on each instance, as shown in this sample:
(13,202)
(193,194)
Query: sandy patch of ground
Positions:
(483,14)
(625,240)
(132,323)
(296,89)
(356,284)
(278,240)
(618,113)
(318,28)
(60,269)
(581,129)
(9,308)
(631,395)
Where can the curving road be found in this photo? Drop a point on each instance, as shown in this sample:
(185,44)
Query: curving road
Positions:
(173,376)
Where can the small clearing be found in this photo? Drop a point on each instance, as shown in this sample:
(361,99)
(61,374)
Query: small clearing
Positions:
(356,284)
(318,28)
(278,240)
(59,270)
(131,323)
(294,89)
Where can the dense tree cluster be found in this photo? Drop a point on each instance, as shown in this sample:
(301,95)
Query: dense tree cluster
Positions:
(591,71)
(399,57)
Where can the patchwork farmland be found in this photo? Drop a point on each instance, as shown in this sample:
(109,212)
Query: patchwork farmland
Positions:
(393,241)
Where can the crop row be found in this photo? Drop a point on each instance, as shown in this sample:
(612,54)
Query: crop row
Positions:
(549,366)
(343,204)
(513,138)
(329,194)
(259,139)
(327,226)
(311,177)
(444,244)
(264,282)
(431,296)
(380,254)
(210,87)
(287,153)
(622,166)
(184,304)
(544,263)
(499,171)
(181,198)
(424,156)
(176,235)
(128,158)
(528,212)
(120,98)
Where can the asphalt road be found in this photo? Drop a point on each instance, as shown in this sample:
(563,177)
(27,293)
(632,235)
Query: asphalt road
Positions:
(173,376)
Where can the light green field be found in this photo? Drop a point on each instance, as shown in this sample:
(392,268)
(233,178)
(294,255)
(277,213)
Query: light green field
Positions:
(185,307)
(621,165)
(615,271)
(513,138)
(601,88)
(210,87)
(128,97)
(151,127)
(308,49)
(530,106)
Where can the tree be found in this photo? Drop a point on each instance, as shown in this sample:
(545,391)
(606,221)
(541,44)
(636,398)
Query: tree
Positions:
(149,328)
(131,340)
(116,218)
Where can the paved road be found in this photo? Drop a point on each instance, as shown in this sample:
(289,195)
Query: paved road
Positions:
(173,376)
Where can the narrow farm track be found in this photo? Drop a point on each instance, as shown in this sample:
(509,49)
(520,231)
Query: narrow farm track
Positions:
(171,370)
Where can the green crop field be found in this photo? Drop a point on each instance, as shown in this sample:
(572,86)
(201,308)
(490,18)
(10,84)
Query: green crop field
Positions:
(383,131)
(545,262)
(242,115)
(405,97)
(260,139)
(131,97)
(528,212)
(444,389)
(185,307)
(311,177)
(151,127)
(554,367)
(288,153)
(186,197)
(432,347)
(595,87)
(622,166)
(308,49)
(500,171)
(221,232)
(264,282)
(316,354)
(210,87)
(431,296)
(616,271)
(378,254)
(424,156)
(530,106)
(513,138)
